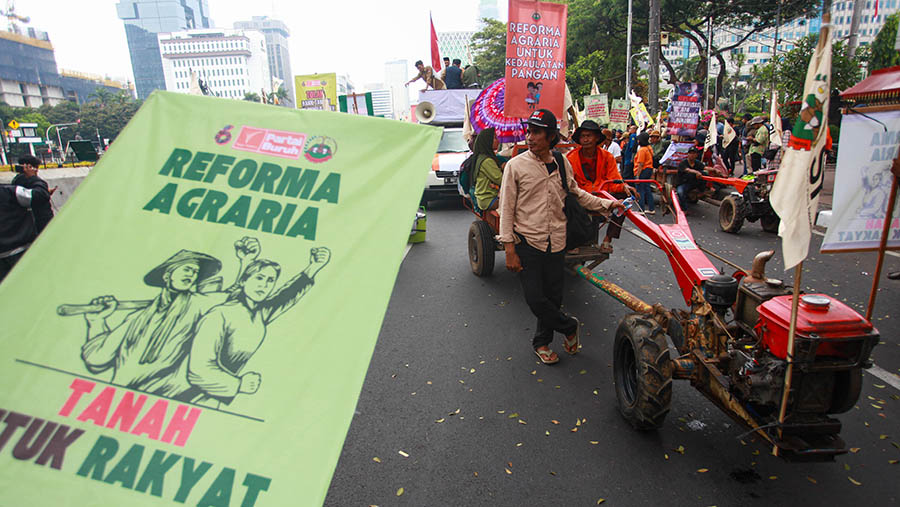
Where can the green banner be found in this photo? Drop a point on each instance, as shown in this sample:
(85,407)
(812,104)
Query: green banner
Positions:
(196,324)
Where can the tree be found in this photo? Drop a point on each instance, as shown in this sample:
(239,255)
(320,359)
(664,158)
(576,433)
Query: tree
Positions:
(489,51)
(252,97)
(790,69)
(883,52)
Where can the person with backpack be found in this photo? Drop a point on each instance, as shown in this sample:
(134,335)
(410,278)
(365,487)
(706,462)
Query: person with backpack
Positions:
(486,169)
(533,231)
(18,226)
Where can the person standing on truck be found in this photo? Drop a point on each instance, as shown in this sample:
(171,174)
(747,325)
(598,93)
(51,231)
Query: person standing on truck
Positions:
(533,230)
(453,79)
(427,74)
(595,169)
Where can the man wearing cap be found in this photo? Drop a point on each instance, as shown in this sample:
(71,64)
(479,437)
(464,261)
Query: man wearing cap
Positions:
(147,351)
(533,229)
(595,170)
(758,138)
(689,171)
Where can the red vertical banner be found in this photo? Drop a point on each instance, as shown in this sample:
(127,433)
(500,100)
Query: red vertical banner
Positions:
(435,52)
(535,58)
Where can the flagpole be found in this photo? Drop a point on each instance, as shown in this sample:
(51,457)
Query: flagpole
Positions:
(798,270)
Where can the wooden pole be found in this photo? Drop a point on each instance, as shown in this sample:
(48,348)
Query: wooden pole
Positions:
(885,231)
(788,376)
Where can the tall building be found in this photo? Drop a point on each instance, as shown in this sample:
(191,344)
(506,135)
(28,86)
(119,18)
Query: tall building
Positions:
(760,48)
(28,74)
(231,62)
(455,45)
(276,33)
(146,18)
(382,105)
(80,86)
(396,73)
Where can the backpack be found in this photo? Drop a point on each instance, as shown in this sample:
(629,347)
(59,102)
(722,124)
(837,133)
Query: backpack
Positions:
(579,228)
(467,176)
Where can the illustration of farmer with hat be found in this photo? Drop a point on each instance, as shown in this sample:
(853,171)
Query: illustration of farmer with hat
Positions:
(147,351)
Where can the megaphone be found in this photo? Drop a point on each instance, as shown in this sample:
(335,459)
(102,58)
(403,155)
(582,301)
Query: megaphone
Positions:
(425,112)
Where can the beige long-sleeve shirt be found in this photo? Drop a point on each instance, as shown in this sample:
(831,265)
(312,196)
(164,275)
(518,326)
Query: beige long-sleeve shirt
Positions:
(531,202)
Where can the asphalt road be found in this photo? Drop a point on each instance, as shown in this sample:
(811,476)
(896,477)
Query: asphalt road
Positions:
(456,410)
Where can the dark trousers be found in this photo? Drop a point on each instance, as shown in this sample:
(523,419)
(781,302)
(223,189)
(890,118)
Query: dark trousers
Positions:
(685,188)
(645,190)
(756,161)
(542,282)
(614,229)
(7,263)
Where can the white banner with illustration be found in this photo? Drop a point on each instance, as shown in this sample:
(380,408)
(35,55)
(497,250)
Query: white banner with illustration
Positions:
(862,183)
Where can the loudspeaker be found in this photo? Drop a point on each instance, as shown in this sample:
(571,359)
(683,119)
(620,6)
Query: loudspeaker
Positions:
(425,112)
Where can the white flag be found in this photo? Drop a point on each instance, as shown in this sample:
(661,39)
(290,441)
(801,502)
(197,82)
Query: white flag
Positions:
(712,134)
(468,132)
(775,121)
(595,90)
(795,194)
(195,84)
(728,134)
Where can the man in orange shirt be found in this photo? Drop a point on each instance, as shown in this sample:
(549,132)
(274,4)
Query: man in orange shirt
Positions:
(595,169)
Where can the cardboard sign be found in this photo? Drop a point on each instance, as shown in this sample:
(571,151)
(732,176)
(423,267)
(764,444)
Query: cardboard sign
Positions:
(618,114)
(535,58)
(596,108)
(316,91)
(198,343)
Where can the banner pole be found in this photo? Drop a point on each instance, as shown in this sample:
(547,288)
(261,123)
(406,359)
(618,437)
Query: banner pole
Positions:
(789,373)
(882,245)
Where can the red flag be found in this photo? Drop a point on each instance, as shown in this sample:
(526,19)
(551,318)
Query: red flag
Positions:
(435,52)
(876,8)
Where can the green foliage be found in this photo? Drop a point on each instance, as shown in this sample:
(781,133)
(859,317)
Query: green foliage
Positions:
(883,52)
(105,115)
(252,97)
(790,69)
(489,51)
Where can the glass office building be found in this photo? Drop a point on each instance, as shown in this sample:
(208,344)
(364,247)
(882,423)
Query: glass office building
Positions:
(144,19)
(276,33)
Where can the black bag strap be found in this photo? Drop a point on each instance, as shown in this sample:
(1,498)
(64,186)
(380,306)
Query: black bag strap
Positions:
(561,167)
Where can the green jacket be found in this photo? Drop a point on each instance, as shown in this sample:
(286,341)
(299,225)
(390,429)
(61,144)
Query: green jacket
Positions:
(762,140)
(487,181)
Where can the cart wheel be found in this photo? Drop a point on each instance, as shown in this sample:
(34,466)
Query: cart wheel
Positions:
(770,222)
(481,248)
(731,217)
(847,387)
(642,372)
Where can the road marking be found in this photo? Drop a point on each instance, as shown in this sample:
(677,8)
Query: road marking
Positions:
(885,375)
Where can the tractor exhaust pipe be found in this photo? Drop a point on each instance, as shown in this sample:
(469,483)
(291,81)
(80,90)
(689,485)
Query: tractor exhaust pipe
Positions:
(758,270)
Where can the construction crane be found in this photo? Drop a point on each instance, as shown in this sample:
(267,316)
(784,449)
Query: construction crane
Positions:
(12,17)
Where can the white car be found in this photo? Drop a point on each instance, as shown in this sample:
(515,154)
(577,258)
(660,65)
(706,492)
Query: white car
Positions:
(444,174)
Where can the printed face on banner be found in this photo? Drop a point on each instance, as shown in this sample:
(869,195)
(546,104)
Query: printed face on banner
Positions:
(535,58)
(201,266)
(684,111)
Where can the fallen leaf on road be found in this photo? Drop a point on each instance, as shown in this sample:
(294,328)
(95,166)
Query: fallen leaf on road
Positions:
(879,386)
(509,464)
(847,467)
(482,362)
(577,422)
(595,392)
(547,433)
(519,444)
(534,372)
(440,420)
(508,471)
(854,481)
(513,415)
(376,459)
(573,430)
(876,406)
(665,456)
(854,450)
(501,411)
(882,437)
(773,477)
(600,500)
(462,381)
(475,474)
(810,479)
(472,370)
(702,470)
(680,449)
(595,442)
(428,382)
(522,422)
(892,461)
(403,454)
(554,421)
(400,492)
(582,372)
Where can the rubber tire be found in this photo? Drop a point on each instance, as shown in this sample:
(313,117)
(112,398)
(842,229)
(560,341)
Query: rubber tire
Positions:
(642,372)
(481,248)
(847,388)
(730,217)
(770,222)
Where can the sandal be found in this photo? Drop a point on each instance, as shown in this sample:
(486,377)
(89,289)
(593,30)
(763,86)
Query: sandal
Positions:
(572,342)
(546,355)
(606,247)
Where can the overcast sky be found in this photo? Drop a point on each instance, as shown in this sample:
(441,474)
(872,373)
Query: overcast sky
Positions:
(347,37)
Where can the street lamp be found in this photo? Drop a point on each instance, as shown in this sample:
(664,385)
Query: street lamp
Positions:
(58,139)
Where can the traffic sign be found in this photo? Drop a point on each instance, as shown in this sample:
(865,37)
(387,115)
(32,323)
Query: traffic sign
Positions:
(13,124)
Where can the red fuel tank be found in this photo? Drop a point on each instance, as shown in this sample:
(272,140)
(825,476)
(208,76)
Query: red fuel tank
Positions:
(825,327)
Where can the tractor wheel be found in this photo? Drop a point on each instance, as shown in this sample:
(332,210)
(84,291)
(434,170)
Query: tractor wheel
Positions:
(770,222)
(847,387)
(481,248)
(731,217)
(642,372)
